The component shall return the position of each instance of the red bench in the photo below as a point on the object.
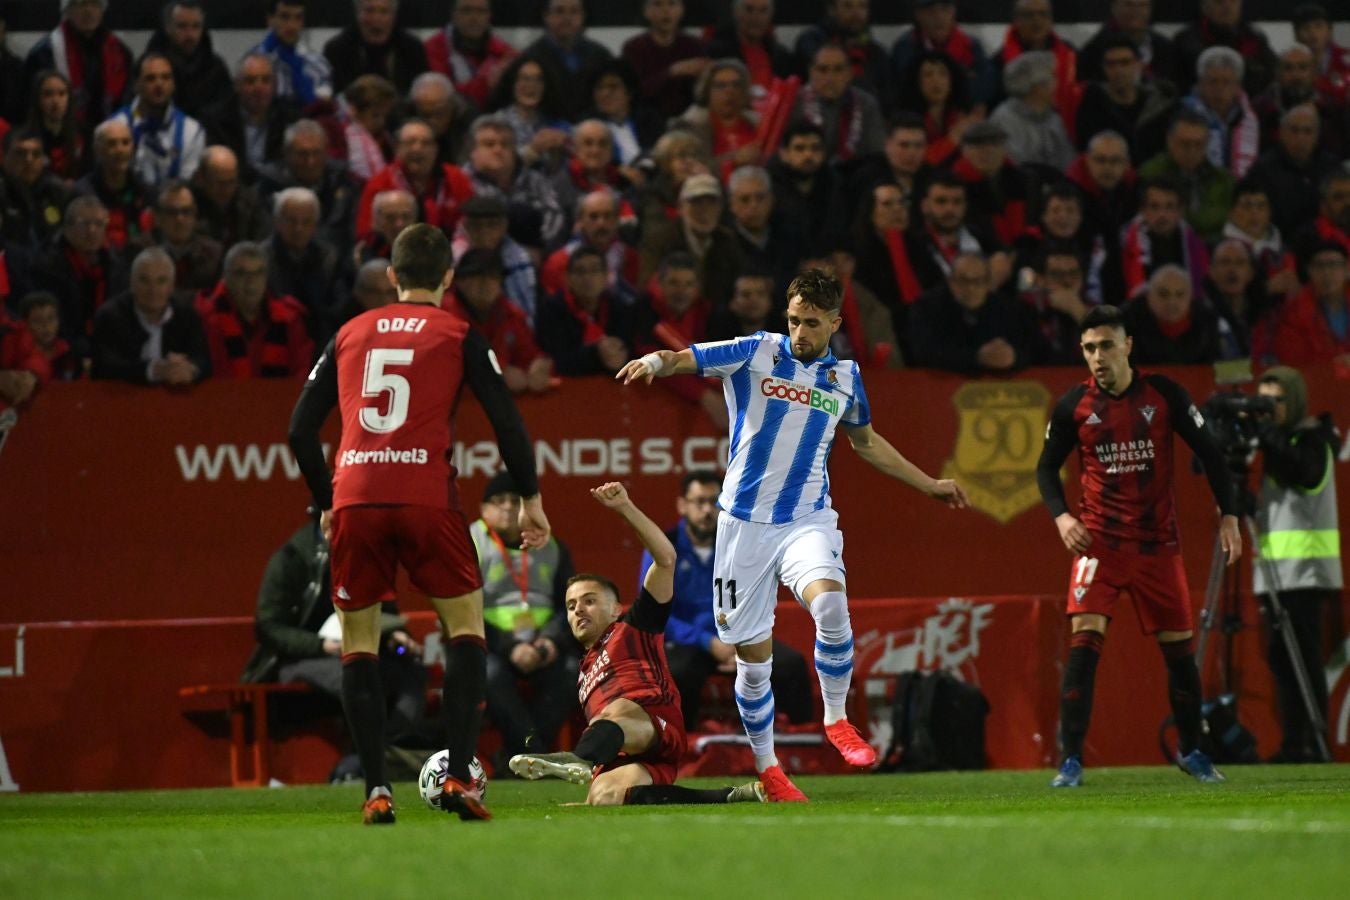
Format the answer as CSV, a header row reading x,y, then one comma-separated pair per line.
x,y
239,701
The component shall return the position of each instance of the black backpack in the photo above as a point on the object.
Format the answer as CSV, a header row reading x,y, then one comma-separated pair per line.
x,y
937,722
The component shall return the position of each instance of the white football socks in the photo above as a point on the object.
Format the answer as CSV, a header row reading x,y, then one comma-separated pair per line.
x,y
834,651
754,699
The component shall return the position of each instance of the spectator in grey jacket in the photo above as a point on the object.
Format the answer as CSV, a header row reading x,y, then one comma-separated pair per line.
x,y
1036,133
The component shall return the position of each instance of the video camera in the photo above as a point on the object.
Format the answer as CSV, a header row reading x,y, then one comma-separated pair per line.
x,y
1233,418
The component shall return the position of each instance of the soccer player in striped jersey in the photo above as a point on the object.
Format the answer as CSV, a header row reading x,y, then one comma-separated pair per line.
x,y
786,395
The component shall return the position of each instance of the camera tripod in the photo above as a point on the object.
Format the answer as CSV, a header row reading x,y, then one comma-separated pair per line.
x,y
1223,588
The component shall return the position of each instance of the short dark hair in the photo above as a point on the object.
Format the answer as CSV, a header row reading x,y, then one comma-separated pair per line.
x,y
19,135
145,58
1104,316
1187,116
700,476
906,120
678,259
799,128
421,256
1063,190
598,579
942,178
584,250
166,14
1250,185
1117,40
37,300
1163,183
818,288
272,5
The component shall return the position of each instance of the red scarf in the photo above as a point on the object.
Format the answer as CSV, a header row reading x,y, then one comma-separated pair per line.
x,y
853,328
1329,232
759,63
113,64
88,274
1174,330
237,336
904,272
4,282
1010,222
678,332
592,326
958,46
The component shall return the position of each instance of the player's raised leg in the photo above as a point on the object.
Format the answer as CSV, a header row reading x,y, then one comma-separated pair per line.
x,y
834,666
363,704
463,699
1075,697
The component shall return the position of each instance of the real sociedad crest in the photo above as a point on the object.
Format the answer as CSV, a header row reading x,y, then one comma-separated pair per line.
x,y
997,445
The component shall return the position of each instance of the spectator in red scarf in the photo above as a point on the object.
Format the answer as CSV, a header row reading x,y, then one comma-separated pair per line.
x,y
666,59
143,337
867,334
846,26
80,268
115,185
368,100
90,55
965,326
721,116
749,38
1121,101
943,233
935,30
1133,20
1002,196
1333,213
1033,29
882,254
477,298
227,209
901,160
196,257
698,230
583,327
1055,295
23,367
1104,176
849,116
31,199
598,218
51,115
40,312
1168,326
468,52
439,188
1221,24
671,315
252,333
590,167
1312,28
1160,236
937,88
1314,324
391,212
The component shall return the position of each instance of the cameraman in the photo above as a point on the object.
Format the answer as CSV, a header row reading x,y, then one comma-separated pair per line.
x,y
1296,514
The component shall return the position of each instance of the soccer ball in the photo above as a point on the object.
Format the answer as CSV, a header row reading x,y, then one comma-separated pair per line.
x,y
432,778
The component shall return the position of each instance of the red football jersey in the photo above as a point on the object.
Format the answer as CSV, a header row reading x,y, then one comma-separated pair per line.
x,y
399,371
1125,456
629,661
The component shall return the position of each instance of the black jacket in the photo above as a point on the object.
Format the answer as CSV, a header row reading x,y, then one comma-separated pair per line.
x,y
119,336
1297,457
1293,188
1198,344
200,80
560,335
224,123
399,61
591,56
943,335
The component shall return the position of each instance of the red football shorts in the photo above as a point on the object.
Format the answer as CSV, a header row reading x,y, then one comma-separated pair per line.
x,y
1156,584
662,759
370,542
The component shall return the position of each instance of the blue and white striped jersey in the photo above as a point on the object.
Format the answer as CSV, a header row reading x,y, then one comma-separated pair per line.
x,y
783,416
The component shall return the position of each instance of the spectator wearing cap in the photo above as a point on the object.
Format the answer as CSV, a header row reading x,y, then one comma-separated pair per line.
x,y
84,49
1168,326
371,289
301,72
439,188
1120,100
848,116
251,332
305,163
467,52
390,213
1036,133
805,189
1314,324
1234,130
1312,28
1033,31
965,326
1222,24
200,76
846,25
485,227
1292,169
584,327
143,337
697,230
748,36
1206,189
1132,19
525,621
667,60
1160,236
597,225
935,29
196,256
564,50
1001,194
252,120
375,45
477,298
495,168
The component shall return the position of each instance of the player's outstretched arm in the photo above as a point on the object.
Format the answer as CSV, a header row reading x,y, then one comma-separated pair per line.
x,y
878,451
658,364
660,578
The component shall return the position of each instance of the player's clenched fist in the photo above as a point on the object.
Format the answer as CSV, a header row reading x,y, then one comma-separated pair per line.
x,y
611,494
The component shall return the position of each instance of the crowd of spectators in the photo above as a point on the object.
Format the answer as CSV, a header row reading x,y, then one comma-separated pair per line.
x,y
175,216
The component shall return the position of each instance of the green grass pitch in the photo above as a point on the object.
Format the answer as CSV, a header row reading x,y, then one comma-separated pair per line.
x,y
1140,832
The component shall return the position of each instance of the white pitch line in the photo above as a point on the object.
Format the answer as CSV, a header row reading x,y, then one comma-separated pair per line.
x,y
1153,823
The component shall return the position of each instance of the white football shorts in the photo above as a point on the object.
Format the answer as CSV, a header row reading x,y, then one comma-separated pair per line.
x,y
752,559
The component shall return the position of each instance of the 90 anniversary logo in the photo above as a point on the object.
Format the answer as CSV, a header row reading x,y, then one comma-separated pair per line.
x,y
997,444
